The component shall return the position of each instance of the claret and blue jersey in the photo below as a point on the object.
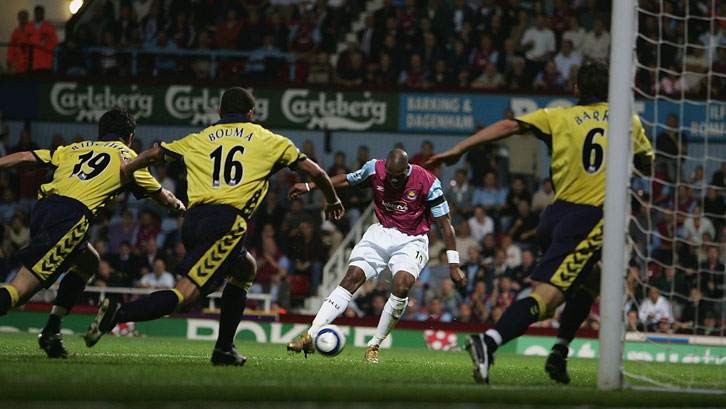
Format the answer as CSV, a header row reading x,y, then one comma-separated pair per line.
x,y
409,209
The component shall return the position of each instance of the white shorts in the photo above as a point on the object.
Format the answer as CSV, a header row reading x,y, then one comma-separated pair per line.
x,y
383,247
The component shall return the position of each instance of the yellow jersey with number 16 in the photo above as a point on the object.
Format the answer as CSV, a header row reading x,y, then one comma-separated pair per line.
x,y
229,163
577,138
90,172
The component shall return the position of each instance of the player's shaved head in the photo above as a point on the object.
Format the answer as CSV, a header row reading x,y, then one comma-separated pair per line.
x,y
236,100
397,167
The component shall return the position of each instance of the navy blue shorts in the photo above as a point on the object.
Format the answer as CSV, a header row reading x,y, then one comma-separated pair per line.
x,y
58,227
213,236
571,236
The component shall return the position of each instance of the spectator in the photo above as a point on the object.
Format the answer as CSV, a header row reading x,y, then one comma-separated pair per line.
x,y
108,59
719,178
484,55
671,282
694,313
524,156
490,195
696,227
480,224
517,77
351,73
517,193
385,74
461,15
151,24
464,314
163,64
513,252
653,309
227,32
712,275
308,149
121,232
544,196
278,29
459,193
148,227
566,59
575,34
440,76
308,254
16,237
181,31
271,262
128,264
449,297
431,50
670,145
142,8
414,76
304,36
549,78
44,41
433,276
320,72
436,245
19,48
479,300
521,274
459,57
436,311
539,41
524,227
125,25
697,182
714,208
427,151
504,294
158,278
464,240
696,65
597,42
490,79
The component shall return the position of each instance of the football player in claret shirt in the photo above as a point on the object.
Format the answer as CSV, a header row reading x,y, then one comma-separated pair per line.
x,y
407,200
228,166
86,175
570,230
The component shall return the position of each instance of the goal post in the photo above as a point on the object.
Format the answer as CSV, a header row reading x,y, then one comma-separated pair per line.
x,y
612,285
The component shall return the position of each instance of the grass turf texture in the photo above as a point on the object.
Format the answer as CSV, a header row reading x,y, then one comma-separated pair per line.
x,y
167,370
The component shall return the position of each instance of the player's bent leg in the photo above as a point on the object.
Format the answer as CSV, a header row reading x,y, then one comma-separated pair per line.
x,y
85,265
392,312
155,305
576,311
539,305
19,291
333,306
234,300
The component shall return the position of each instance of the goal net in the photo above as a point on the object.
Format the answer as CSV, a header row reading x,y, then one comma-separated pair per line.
x,y
675,311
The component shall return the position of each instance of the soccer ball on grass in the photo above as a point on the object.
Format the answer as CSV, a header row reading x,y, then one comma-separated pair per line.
x,y
329,341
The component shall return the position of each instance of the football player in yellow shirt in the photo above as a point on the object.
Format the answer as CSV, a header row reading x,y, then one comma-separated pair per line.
x,y
570,229
86,175
228,166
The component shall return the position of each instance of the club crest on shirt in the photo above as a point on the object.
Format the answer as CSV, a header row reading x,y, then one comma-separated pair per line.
x,y
410,194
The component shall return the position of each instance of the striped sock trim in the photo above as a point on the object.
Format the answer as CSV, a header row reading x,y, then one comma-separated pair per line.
x,y
541,305
14,296
180,300
495,335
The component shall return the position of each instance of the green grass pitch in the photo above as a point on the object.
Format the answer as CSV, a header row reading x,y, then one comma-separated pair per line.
x,y
147,370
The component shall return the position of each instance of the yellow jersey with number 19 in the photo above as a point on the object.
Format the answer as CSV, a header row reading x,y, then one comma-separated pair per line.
x,y
577,138
90,172
229,163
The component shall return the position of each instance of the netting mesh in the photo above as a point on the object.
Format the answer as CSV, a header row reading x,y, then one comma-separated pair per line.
x,y
676,292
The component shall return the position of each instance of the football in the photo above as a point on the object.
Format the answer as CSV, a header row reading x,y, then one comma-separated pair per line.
x,y
329,341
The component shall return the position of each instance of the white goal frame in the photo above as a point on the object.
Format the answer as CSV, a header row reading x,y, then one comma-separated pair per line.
x,y
622,32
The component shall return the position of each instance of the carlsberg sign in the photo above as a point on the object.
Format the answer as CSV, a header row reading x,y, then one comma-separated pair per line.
x,y
197,106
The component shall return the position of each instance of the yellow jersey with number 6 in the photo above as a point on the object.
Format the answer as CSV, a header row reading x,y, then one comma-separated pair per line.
x,y
229,163
577,138
90,172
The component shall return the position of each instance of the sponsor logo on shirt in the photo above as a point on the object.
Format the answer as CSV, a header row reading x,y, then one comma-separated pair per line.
x,y
397,206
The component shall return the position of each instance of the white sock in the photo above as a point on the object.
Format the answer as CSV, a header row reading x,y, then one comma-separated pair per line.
x,y
392,312
332,307
59,311
495,335
562,341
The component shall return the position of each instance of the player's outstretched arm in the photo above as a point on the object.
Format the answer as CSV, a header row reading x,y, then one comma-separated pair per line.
x,y
149,157
167,200
13,160
494,132
333,206
299,189
447,231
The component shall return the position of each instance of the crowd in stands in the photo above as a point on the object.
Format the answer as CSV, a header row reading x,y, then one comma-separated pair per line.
x,y
507,45
676,278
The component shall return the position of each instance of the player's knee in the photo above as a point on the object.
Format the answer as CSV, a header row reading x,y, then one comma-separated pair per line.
x,y
354,278
402,283
395,306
